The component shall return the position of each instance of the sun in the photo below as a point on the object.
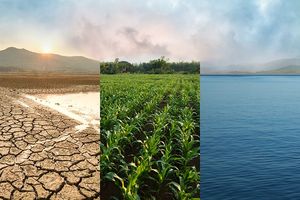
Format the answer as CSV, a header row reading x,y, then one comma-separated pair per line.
x,y
47,48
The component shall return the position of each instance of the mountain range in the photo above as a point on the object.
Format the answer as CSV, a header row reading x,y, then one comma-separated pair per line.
x,y
279,66
21,60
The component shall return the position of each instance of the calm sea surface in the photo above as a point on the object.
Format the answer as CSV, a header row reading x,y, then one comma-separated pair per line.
x,y
250,137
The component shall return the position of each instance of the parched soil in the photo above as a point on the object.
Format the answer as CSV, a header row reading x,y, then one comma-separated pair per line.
x,y
42,155
48,81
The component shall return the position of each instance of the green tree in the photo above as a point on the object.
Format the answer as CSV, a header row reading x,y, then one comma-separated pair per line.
x,y
160,65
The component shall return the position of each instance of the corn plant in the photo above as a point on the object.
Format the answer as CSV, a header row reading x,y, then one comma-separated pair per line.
x,y
149,137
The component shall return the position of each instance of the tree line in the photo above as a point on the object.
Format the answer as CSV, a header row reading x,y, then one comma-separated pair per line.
x,y
157,66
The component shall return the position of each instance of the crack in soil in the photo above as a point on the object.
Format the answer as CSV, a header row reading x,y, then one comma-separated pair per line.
x,y
42,156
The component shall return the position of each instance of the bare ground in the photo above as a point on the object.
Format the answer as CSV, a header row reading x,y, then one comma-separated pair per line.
x,y
41,154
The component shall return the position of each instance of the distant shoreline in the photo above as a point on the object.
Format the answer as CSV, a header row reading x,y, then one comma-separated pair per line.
x,y
249,74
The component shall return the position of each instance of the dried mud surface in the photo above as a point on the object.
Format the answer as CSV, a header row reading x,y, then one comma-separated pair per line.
x,y
41,154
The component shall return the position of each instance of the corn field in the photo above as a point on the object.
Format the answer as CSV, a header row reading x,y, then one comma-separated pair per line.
x,y
150,146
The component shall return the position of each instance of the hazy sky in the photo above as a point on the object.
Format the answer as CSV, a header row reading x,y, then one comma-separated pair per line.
x,y
212,31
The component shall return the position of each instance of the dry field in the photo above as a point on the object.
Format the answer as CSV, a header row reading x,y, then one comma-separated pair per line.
x,y
42,154
49,83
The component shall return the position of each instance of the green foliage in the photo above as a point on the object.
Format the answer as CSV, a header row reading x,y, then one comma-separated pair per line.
x,y
157,66
150,136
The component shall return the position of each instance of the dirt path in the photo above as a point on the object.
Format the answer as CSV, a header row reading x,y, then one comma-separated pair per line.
x,y
41,154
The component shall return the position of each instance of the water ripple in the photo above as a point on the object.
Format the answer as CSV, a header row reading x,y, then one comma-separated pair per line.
x,y
250,137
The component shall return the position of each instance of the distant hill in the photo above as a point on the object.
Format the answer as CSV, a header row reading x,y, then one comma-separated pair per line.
x,y
294,69
14,59
280,66
281,63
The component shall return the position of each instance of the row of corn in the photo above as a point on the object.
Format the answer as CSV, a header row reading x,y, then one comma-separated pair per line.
x,y
150,137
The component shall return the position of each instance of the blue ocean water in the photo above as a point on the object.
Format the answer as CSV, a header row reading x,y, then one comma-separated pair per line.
x,y
250,137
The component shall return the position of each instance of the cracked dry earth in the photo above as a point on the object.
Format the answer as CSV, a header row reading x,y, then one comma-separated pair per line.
x,y
41,154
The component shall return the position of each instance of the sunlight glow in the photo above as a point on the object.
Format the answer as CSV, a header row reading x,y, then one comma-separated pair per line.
x,y
47,48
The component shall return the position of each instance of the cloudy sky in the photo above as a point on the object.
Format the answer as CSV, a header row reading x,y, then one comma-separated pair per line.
x,y
211,31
